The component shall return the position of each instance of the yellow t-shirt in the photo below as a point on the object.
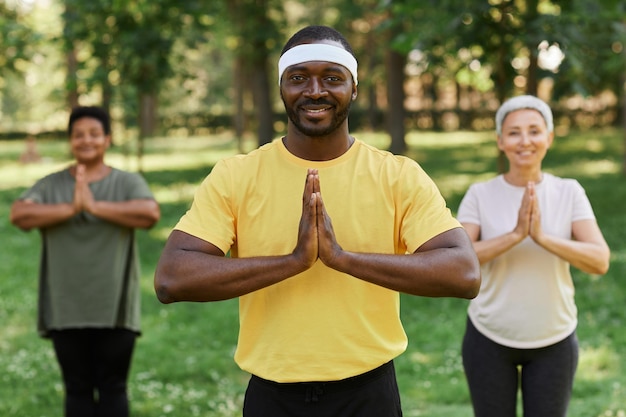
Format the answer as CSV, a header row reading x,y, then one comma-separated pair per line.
x,y
320,325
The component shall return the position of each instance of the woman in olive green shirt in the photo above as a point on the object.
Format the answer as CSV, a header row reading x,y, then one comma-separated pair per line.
x,y
89,291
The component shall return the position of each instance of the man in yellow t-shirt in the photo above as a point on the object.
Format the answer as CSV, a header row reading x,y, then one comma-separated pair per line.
x,y
324,232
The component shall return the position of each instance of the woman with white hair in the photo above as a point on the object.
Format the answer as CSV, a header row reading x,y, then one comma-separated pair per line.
x,y
527,227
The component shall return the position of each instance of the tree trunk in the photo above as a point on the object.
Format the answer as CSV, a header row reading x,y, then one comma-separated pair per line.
x,y
147,123
107,93
434,94
624,113
501,93
72,79
370,90
255,28
372,108
532,14
395,63
532,84
262,101
239,116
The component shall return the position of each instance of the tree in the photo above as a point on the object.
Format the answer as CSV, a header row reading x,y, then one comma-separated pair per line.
x,y
18,45
131,43
17,40
510,31
256,35
505,31
412,26
395,62
168,57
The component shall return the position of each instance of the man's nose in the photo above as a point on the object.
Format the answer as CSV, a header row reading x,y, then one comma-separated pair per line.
x,y
315,88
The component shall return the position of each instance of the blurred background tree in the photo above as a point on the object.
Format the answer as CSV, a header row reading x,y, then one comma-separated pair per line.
x,y
163,66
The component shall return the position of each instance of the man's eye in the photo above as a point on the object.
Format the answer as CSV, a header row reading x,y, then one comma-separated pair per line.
x,y
334,78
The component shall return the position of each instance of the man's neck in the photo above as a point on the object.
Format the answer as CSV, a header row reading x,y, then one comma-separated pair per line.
x,y
318,148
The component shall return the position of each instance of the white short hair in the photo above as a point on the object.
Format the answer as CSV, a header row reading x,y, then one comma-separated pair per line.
x,y
524,102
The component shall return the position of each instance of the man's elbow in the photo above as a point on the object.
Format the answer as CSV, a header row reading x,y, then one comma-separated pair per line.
x,y
163,288
470,278
472,282
163,295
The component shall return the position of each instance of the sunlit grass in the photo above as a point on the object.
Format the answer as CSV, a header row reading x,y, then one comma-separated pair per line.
x,y
183,365
597,363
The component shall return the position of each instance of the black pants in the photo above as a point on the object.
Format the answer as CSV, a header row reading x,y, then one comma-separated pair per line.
x,y
95,365
373,394
494,373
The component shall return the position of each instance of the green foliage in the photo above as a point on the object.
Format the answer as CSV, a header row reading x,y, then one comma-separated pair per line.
x,y
24,48
186,54
128,50
17,39
497,32
592,33
183,364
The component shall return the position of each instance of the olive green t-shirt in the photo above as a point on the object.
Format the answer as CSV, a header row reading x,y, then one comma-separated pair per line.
x,y
89,273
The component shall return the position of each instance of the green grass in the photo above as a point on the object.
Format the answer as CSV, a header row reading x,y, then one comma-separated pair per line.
x,y
183,363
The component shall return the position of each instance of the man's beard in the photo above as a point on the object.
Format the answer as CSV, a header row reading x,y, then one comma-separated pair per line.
x,y
314,131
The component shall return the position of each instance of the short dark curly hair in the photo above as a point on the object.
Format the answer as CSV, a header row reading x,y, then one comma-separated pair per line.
x,y
316,33
95,112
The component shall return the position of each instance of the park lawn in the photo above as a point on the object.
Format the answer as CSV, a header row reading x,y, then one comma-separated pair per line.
x,y
183,363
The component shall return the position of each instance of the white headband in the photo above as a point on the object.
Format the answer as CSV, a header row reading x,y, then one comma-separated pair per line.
x,y
317,52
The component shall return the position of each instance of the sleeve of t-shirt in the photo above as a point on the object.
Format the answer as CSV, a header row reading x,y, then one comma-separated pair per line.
x,y
37,193
468,209
211,216
32,194
427,214
136,187
582,209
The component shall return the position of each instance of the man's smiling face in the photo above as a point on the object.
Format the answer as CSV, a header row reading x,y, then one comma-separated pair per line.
x,y
317,95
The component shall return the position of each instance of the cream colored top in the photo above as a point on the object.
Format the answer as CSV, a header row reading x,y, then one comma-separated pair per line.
x,y
526,299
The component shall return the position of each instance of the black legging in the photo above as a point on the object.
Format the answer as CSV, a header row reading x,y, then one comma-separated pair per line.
x,y
95,365
494,372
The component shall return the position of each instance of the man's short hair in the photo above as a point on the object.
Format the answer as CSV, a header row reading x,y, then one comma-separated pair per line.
x,y
94,112
316,33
